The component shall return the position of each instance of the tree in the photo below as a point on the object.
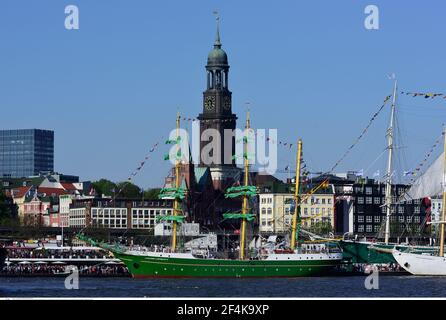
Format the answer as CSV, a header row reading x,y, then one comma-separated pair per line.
x,y
321,228
105,187
128,190
152,193
7,211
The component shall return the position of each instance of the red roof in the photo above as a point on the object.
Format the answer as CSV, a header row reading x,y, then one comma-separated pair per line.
x,y
20,191
68,186
50,191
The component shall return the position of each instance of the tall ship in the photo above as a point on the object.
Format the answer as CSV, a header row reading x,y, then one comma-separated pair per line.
x,y
381,252
299,259
431,183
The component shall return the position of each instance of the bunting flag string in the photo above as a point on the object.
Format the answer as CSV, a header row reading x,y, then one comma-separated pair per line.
x,y
152,149
358,139
288,145
418,168
428,95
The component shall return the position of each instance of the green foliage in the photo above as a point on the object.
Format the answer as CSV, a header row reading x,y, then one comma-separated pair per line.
x,y
152,193
105,187
7,216
125,189
321,228
128,190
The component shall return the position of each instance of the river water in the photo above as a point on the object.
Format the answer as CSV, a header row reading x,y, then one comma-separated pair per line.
x,y
352,286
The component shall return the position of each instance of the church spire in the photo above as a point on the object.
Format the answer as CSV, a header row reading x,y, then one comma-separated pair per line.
x,y
217,43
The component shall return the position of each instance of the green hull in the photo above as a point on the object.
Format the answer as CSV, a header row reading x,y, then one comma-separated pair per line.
x,y
360,252
154,267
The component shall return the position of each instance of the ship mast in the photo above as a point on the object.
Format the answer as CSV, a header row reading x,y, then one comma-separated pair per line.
x,y
176,203
390,146
443,209
296,196
245,196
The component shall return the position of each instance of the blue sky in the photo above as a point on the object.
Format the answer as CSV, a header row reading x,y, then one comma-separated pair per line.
x,y
309,68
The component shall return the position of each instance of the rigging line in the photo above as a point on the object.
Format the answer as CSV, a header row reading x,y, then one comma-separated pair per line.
x,y
422,107
359,138
374,161
423,162
400,156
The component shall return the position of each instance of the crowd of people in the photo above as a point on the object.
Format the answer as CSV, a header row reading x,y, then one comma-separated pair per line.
x,y
22,267
21,253
365,268
100,270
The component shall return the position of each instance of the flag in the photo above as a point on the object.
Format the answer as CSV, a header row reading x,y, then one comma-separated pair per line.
x,y
376,174
360,173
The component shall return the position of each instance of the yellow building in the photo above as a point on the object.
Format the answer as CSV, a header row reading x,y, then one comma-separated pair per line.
x,y
276,210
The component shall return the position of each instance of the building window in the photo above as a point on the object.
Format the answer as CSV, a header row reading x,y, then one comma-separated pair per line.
x,y
368,190
360,219
369,228
416,209
409,219
368,219
270,211
417,219
376,228
377,219
369,200
401,219
377,200
360,228
360,200
400,209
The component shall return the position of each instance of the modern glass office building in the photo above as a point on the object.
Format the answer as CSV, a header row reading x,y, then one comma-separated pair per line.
x,y
25,153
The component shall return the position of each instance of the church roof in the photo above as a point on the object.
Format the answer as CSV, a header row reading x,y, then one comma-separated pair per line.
x,y
217,57
202,175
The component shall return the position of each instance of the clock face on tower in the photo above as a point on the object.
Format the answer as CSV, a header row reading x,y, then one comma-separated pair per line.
x,y
209,103
227,103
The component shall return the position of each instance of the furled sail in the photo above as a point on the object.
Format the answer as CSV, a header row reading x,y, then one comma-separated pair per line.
x,y
429,184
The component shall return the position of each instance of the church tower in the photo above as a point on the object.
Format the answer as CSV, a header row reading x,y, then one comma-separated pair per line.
x,y
217,114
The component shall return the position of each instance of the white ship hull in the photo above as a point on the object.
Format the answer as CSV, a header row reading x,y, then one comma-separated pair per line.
x,y
421,264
